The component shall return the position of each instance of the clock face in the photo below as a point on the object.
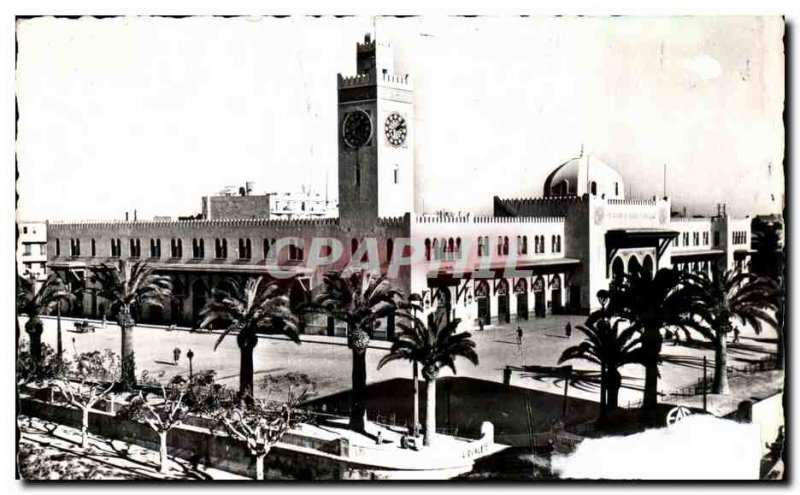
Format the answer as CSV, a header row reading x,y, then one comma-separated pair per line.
x,y
357,129
396,129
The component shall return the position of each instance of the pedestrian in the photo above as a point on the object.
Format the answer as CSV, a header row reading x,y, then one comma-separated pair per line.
x,y
735,335
568,329
675,338
480,324
104,320
379,437
176,355
404,441
519,335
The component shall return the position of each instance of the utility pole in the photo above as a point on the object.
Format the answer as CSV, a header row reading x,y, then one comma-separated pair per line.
x,y
705,383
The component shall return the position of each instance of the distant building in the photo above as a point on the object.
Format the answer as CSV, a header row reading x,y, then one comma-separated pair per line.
x,y
245,203
32,249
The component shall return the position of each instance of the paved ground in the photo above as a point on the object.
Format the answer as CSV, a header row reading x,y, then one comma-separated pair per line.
x,y
50,451
328,364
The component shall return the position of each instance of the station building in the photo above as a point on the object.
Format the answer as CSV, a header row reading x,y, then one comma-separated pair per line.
x,y
533,257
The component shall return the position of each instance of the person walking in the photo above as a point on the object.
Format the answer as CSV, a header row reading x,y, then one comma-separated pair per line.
x,y
568,329
519,335
735,335
176,355
480,324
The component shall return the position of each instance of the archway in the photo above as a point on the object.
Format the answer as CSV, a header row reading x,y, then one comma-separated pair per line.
x,y
648,266
617,271
521,290
538,297
484,302
633,265
199,297
443,305
503,306
555,294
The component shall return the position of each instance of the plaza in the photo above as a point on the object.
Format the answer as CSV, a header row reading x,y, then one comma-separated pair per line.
x,y
326,360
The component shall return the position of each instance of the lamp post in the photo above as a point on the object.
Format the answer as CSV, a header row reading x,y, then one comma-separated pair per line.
x,y
190,355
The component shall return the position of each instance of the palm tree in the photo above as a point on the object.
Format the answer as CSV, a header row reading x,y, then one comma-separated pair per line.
x,y
768,261
652,305
433,346
359,300
609,348
128,288
248,310
34,303
737,295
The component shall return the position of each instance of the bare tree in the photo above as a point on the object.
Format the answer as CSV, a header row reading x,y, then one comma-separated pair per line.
x,y
86,380
260,423
161,414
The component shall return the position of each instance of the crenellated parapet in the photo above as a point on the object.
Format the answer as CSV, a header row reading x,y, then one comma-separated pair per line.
x,y
469,219
633,202
393,222
353,81
190,224
551,206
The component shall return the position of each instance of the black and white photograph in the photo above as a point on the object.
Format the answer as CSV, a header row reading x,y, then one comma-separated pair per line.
x,y
400,248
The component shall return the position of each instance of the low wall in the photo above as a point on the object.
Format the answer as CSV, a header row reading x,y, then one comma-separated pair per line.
x,y
297,456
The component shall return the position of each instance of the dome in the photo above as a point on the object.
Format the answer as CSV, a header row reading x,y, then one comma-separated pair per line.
x,y
585,174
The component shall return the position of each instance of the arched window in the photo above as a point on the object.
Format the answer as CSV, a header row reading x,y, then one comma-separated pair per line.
x,y
428,249
435,248
458,247
505,246
541,242
442,248
524,244
451,248
594,188
389,249
500,245
616,189
396,174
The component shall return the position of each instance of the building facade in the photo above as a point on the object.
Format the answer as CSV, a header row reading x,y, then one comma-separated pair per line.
x,y
532,257
32,249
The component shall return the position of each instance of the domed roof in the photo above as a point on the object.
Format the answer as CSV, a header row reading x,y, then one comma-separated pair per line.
x,y
576,176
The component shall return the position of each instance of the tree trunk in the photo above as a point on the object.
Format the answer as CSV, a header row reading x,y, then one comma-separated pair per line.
x,y
721,364
35,336
612,389
603,390
430,412
358,407
415,428
779,357
651,345
246,371
85,428
59,345
162,451
260,466
128,361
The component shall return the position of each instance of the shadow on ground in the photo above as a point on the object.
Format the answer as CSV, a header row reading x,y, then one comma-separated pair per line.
x,y
463,404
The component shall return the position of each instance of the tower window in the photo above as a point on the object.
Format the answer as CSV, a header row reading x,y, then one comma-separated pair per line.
x,y
358,175
616,189
594,188
396,174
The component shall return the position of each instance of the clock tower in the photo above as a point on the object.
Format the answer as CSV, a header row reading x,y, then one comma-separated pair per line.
x,y
376,138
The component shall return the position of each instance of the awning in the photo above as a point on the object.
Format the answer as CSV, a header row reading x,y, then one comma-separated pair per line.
x,y
449,273
697,255
617,239
198,266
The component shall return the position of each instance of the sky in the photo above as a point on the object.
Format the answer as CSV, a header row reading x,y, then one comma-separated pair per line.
x,y
151,114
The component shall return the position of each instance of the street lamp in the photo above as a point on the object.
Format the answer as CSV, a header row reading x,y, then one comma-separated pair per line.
x,y
190,355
